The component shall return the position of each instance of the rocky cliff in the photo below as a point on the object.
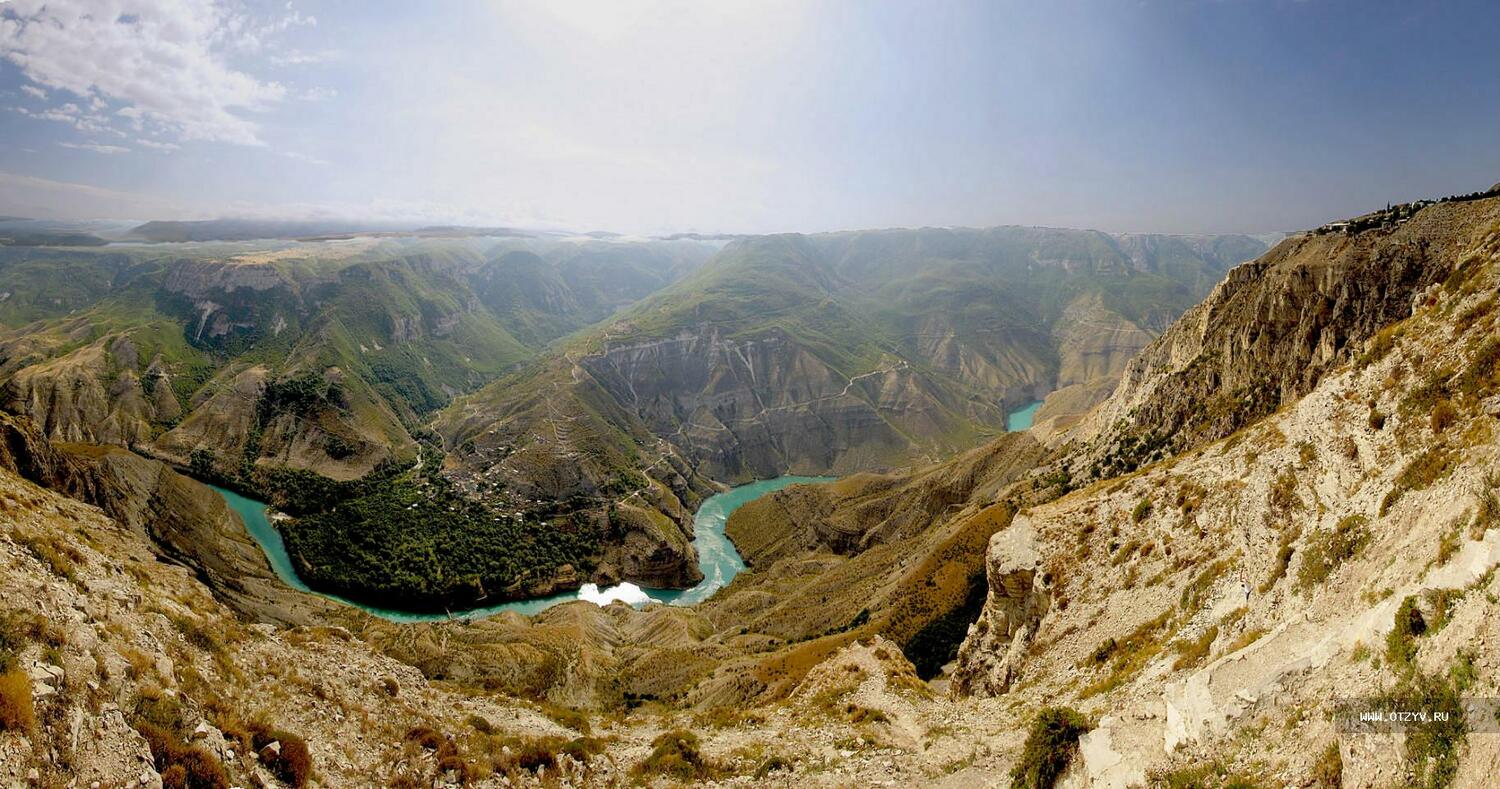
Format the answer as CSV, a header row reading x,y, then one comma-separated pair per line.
x,y
1340,542
183,520
1272,329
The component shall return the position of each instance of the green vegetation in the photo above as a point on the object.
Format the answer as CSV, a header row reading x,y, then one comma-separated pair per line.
x,y
17,712
160,719
937,601
288,759
1431,748
1409,624
1051,743
1326,550
1286,548
676,754
1432,465
1211,775
415,543
1128,656
1192,652
1328,770
1192,596
12,641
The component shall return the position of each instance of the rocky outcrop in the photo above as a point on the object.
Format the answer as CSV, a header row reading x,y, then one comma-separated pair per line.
x,y
1197,600
995,649
185,521
93,394
1271,330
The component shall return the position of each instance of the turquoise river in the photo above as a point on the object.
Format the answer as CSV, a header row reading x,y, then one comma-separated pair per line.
x,y
717,557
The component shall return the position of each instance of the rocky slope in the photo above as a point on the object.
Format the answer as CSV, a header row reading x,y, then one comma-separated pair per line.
x,y
185,521
1342,547
1272,329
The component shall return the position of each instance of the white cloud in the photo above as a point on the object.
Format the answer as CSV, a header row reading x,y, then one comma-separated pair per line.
x,y
297,57
33,90
317,94
90,121
156,144
166,61
95,147
303,157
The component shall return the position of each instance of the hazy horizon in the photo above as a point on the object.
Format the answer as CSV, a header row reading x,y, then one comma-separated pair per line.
x,y
665,117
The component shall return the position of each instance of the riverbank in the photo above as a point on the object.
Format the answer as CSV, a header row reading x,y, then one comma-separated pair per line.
x,y
717,558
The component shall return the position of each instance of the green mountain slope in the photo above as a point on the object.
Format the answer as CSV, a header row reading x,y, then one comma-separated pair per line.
x,y
174,349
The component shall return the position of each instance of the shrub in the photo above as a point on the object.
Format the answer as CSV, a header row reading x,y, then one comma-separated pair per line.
x,y
1191,653
1443,416
1379,346
158,708
1194,593
1284,553
1213,775
1425,469
1431,748
772,764
567,717
1130,655
1142,511
293,765
1400,643
1488,513
1480,375
1283,495
1051,743
12,641
425,737
1306,452
1326,550
182,766
1448,544
16,710
1245,639
675,754
1328,770
527,754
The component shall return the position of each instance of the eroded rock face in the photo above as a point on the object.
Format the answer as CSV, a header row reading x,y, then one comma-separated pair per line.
x,y
753,407
185,522
1271,330
992,654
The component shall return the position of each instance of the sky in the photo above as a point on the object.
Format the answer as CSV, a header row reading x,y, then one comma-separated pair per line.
x,y
747,116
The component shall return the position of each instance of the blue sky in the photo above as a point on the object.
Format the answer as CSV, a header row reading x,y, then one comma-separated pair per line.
x,y
748,116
